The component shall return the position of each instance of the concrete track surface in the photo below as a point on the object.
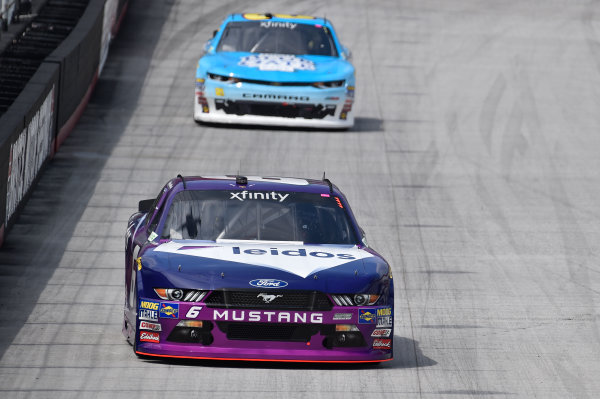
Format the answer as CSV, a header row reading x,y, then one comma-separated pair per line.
x,y
474,168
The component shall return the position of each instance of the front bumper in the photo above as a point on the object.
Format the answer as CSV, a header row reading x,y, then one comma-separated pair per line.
x,y
256,104
269,335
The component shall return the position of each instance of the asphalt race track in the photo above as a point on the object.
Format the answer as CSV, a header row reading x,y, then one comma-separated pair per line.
x,y
474,168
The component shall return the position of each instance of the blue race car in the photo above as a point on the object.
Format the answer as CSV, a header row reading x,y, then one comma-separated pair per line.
x,y
255,268
273,69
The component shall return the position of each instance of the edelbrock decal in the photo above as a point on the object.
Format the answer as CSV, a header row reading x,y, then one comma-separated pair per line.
x,y
297,259
382,343
148,336
268,283
277,62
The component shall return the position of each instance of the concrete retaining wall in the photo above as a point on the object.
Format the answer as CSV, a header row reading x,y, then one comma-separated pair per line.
x,y
48,108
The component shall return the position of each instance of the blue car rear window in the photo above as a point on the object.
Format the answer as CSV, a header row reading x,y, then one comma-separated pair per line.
x,y
277,38
255,215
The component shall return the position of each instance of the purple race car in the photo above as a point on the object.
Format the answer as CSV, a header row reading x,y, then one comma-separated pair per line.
x,y
255,268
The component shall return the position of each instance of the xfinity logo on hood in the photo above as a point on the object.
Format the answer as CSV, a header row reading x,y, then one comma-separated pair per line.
x,y
268,283
244,195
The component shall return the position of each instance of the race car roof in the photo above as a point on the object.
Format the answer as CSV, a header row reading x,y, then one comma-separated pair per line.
x,y
276,183
303,19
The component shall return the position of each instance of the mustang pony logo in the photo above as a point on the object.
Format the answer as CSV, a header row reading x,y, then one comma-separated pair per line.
x,y
268,298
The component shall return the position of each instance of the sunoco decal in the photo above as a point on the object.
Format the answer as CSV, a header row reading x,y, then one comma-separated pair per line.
x,y
277,62
169,310
366,316
297,259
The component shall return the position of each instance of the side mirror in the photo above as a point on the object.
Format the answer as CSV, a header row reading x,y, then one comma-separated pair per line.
x,y
207,46
364,237
215,33
145,206
346,53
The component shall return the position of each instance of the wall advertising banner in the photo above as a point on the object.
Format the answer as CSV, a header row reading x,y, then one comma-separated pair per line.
x,y
28,153
110,18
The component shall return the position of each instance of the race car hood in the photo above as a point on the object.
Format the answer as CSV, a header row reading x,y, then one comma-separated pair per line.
x,y
206,265
276,67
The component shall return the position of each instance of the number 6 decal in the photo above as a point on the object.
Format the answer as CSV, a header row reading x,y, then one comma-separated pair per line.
x,y
193,312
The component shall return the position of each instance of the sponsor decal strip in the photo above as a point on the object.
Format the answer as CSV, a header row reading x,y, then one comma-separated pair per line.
x,y
146,325
382,343
169,310
383,333
149,336
366,316
385,318
148,310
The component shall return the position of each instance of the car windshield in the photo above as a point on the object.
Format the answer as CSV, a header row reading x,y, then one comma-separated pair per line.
x,y
256,215
277,38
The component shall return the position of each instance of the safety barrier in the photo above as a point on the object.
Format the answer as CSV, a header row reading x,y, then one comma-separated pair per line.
x,y
50,104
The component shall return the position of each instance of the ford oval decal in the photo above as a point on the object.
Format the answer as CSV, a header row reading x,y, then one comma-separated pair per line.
x,y
268,283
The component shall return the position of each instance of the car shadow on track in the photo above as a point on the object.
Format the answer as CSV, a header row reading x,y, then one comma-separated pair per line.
x,y
361,125
407,354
